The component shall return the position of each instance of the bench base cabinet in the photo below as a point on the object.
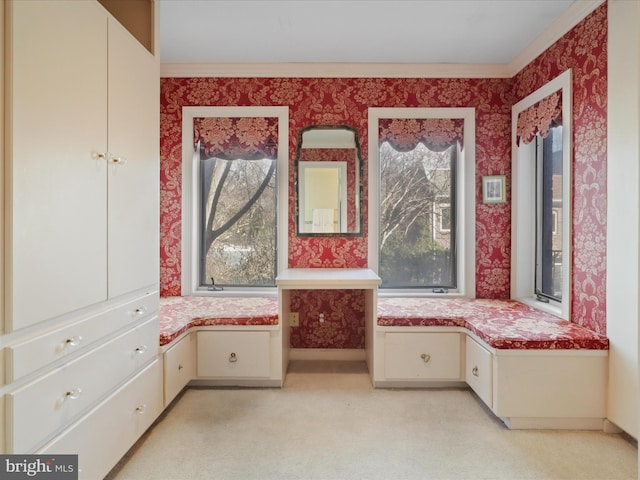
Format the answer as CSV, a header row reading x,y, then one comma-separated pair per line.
x,y
479,370
179,367
431,356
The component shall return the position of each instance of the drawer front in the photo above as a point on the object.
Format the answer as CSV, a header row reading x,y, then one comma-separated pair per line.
x,y
179,367
33,354
233,354
422,356
120,420
49,403
479,371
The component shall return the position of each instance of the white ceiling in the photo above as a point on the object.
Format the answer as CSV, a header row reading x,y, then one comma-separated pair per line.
x,y
352,31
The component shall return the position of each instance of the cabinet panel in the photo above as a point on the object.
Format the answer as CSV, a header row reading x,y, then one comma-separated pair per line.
x,y
422,356
233,354
57,119
134,204
41,407
179,367
479,371
120,421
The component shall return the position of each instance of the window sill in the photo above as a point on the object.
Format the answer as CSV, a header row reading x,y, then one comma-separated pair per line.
x,y
554,309
235,292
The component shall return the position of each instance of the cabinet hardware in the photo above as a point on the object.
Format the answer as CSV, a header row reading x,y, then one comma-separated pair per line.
x,y
140,409
233,358
425,357
141,349
74,394
73,341
180,367
139,311
474,371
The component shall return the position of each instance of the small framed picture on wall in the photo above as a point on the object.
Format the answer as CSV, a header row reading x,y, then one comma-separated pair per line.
x,y
494,189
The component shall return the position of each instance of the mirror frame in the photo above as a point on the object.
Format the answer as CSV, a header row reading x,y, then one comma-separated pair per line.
x,y
359,184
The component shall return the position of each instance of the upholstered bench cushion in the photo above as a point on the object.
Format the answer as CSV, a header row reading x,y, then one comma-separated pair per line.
x,y
178,314
502,324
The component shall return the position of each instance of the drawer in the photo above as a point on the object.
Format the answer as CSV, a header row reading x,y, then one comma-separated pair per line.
x,y
40,408
35,353
422,356
121,419
479,371
233,354
179,367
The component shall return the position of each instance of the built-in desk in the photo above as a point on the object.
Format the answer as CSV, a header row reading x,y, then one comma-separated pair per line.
x,y
328,279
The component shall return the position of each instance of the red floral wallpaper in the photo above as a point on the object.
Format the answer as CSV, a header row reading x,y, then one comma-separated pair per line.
x,y
346,100
584,50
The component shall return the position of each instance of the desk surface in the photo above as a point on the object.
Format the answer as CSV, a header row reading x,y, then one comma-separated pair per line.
x,y
328,278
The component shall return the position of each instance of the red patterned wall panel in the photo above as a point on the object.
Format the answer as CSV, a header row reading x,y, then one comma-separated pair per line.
x,y
584,50
346,100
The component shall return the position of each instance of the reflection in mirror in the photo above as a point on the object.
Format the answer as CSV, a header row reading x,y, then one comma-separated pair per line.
x,y
328,182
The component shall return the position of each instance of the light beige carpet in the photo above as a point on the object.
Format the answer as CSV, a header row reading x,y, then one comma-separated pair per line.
x,y
329,423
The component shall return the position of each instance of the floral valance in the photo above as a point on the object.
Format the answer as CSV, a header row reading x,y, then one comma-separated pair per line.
x,y
233,138
437,134
539,118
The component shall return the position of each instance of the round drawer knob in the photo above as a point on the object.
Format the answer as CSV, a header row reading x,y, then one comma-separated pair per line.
x,y
73,341
141,349
233,357
425,357
474,371
138,312
73,394
140,409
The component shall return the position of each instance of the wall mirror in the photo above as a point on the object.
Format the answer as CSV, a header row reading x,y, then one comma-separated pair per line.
x,y
328,183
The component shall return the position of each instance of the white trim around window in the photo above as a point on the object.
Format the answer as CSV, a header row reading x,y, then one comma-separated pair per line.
x,y
465,190
190,253
523,203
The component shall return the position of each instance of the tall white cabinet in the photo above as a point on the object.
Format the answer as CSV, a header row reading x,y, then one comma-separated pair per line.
x,y
79,344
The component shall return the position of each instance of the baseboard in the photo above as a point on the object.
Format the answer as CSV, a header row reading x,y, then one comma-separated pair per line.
x,y
534,423
334,354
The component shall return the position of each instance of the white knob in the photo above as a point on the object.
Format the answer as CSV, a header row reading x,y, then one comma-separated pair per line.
x,y
425,357
73,341
118,160
141,349
474,371
138,312
140,409
74,393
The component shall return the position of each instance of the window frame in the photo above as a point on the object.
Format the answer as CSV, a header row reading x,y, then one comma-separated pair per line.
x,y
465,196
190,243
523,190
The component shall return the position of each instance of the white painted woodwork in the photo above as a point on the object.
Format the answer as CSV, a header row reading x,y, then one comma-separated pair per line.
x,y
479,370
38,351
57,115
623,213
327,278
134,126
569,384
233,354
40,408
117,423
411,356
179,366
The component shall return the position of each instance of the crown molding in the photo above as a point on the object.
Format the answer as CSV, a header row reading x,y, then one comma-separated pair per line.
x,y
569,19
333,70
562,25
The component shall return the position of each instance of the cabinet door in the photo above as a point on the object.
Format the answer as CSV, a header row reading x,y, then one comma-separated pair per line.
x,y
179,367
433,356
57,84
233,354
134,131
479,371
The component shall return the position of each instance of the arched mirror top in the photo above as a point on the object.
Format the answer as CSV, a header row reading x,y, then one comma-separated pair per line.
x,y
329,186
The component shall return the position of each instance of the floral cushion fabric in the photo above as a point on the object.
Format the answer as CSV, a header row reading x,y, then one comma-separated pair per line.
x,y
502,324
178,314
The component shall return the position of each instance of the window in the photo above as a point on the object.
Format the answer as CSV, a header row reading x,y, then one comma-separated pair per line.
x,y
234,163
421,199
416,186
541,185
548,277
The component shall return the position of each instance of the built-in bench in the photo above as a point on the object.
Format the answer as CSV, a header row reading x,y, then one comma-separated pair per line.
x,y
179,314
501,324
